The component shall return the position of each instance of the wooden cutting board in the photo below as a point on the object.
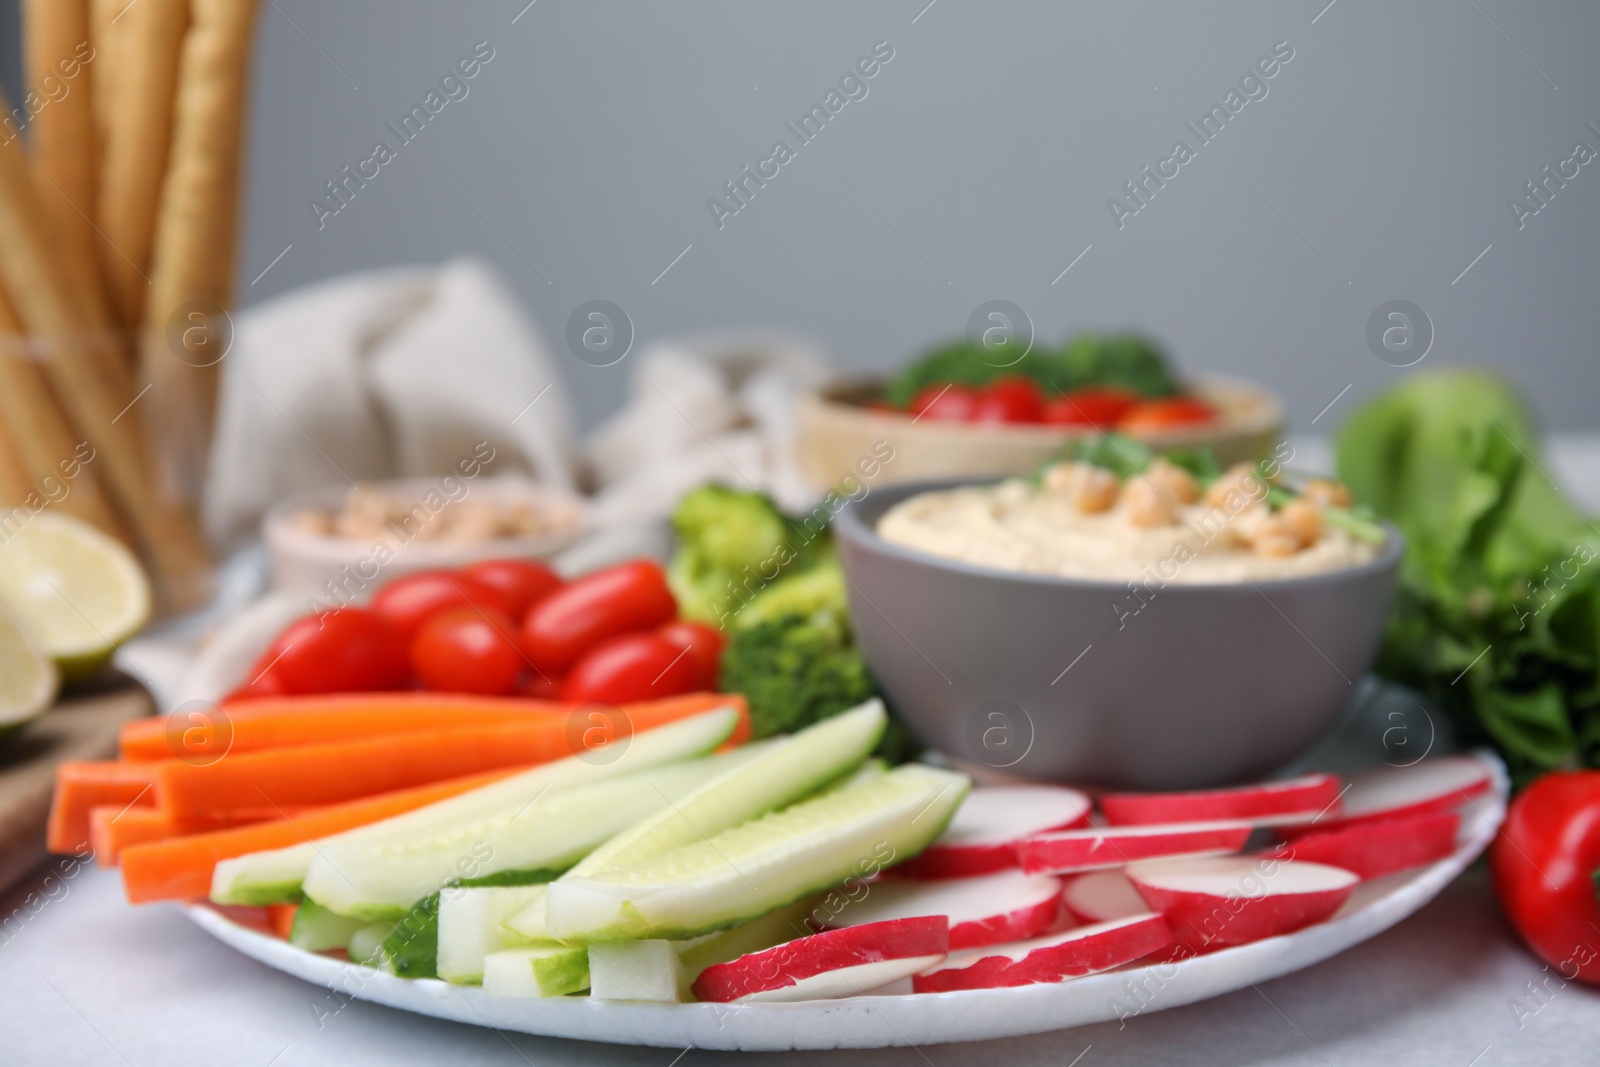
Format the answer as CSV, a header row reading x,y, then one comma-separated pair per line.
x,y
84,726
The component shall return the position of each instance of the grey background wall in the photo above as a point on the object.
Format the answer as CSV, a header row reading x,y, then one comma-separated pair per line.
x,y
979,165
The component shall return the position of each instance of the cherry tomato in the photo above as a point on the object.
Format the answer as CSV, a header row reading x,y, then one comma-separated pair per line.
x,y
522,583
1152,416
350,650
262,683
467,650
410,601
631,667
952,402
618,600
540,686
1102,406
705,644
1009,399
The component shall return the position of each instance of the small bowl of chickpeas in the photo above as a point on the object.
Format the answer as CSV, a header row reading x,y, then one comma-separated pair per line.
x,y
1169,626
358,537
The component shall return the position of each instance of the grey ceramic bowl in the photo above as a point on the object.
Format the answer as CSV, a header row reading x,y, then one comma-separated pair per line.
x,y
1037,677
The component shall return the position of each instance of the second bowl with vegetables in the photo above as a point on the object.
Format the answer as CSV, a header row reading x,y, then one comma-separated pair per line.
x,y
969,409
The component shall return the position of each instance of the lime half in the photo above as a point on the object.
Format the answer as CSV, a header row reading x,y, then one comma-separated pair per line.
x,y
28,680
77,591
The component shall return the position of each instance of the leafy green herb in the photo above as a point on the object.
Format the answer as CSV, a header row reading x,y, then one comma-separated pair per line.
x,y
1122,360
1498,613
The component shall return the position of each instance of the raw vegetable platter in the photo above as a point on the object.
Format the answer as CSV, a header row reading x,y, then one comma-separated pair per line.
x,y
888,1017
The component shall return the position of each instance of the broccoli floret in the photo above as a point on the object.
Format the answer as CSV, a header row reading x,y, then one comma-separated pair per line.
x,y
818,589
964,362
1124,360
730,545
795,670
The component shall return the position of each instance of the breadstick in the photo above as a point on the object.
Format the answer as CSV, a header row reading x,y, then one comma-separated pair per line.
x,y
87,366
60,69
105,29
149,40
199,207
14,487
40,441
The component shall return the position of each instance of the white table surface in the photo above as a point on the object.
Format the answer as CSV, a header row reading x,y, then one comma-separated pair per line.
x,y
85,979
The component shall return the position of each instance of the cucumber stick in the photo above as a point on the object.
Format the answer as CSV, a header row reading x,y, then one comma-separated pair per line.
x,y
277,875
379,876
758,866
636,970
530,923
470,927
366,944
791,768
316,929
536,971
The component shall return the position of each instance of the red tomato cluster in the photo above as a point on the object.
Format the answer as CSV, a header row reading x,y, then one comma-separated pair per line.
x,y
1018,399
497,627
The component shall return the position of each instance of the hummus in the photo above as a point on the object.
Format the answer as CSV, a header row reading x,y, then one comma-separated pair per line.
x,y
1016,526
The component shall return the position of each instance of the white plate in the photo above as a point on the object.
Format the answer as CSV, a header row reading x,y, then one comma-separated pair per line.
x,y
923,1019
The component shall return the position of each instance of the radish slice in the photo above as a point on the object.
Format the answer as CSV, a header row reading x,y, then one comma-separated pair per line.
x,y
1389,792
1102,847
836,963
1373,849
988,910
1295,800
1101,896
1215,901
1069,954
980,839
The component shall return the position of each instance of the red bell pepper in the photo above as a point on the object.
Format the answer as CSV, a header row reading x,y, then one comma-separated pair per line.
x,y
1546,864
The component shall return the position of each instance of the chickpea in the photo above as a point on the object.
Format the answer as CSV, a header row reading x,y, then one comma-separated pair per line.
x,y
1149,504
1175,478
1303,519
1241,478
1088,488
1251,523
311,521
1327,493
1277,540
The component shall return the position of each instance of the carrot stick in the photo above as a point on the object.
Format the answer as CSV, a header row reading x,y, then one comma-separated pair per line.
x,y
113,827
85,784
329,773
180,868
280,918
279,722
